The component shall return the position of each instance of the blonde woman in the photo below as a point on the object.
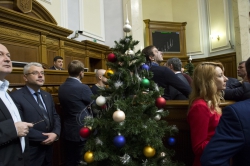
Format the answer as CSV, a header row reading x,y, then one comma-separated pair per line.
x,y
204,112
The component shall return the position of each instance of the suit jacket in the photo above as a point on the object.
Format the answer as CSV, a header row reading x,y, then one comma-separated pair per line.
x,y
164,77
10,146
31,113
74,97
188,78
231,138
53,68
174,93
232,83
239,93
181,76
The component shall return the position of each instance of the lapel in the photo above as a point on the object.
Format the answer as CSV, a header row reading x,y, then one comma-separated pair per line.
x,y
4,110
29,97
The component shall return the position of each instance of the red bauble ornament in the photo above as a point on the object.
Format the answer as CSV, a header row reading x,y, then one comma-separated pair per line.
x,y
160,102
111,57
104,106
84,132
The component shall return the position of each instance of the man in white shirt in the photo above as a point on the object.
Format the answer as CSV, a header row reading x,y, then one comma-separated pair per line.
x,y
13,147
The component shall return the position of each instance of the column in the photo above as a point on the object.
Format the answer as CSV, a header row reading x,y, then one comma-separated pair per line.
x,y
241,21
133,9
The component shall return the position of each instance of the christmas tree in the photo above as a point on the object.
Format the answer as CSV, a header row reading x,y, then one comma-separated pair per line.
x,y
127,129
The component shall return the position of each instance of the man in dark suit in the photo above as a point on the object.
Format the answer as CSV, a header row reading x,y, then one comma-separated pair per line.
x,y
36,105
163,76
58,63
74,97
239,93
175,65
233,83
13,141
232,136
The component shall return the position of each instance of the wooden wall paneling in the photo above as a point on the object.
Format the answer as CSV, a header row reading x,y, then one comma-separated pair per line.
x,y
228,60
61,50
66,61
73,50
53,49
23,53
95,55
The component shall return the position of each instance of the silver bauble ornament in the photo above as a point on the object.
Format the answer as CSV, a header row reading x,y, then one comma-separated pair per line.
x,y
127,28
157,117
100,101
130,52
118,116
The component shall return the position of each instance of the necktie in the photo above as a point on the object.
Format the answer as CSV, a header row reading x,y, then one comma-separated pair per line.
x,y
43,110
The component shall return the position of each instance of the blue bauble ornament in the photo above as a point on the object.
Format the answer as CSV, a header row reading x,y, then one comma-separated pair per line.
x,y
171,141
145,67
119,141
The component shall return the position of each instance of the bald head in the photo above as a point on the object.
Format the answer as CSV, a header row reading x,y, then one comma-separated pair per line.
x,y
5,62
99,72
100,77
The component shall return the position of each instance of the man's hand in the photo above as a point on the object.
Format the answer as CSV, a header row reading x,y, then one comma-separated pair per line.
x,y
22,128
51,138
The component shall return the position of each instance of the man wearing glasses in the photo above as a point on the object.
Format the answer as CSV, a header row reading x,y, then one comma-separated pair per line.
x,y
37,106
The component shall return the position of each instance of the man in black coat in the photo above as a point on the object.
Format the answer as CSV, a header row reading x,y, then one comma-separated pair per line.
x,y
13,140
37,106
74,97
163,76
238,93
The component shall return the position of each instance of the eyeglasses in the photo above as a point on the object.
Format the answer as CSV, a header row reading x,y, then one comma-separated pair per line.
x,y
36,73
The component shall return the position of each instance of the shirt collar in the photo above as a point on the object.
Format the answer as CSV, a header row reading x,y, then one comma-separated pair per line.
x,y
57,68
76,79
31,90
4,85
177,72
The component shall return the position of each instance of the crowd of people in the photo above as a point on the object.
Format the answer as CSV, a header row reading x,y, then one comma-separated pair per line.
x,y
29,123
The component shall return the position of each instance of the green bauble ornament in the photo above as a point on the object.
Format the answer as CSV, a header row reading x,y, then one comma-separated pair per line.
x,y
145,83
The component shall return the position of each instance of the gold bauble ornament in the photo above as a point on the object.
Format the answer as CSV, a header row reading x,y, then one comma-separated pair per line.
x,y
108,73
148,151
89,157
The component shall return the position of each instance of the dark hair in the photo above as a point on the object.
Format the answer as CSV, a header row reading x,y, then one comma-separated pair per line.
x,y
57,57
75,67
176,63
247,66
242,62
148,51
